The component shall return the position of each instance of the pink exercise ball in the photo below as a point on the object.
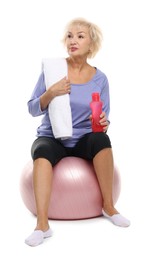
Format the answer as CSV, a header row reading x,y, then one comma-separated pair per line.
x,y
75,191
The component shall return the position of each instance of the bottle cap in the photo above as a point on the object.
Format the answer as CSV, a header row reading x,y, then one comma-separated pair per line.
x,y
95,96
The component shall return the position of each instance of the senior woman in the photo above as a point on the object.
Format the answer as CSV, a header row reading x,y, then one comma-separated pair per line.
x,y
82,40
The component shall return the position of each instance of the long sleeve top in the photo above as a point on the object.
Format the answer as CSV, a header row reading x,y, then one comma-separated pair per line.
x,y
80,98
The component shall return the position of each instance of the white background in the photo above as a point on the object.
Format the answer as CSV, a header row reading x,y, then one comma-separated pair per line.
x,y
31,30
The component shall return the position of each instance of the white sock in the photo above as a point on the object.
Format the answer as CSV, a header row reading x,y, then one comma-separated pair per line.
x,y
117,219
37,237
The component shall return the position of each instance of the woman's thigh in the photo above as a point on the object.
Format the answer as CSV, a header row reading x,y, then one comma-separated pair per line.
x,y
90,144
48,148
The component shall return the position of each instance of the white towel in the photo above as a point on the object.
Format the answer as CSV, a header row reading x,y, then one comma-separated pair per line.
x,y
59,108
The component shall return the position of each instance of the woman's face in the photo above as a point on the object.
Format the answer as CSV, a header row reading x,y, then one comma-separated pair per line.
x,y
78,41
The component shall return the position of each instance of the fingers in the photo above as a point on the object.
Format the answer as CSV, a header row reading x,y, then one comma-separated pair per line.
x,y
61,87
103,120
67,89
90,117
65,84
65,81
105,128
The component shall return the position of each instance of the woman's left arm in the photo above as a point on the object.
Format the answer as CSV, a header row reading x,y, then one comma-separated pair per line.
x,y
105,97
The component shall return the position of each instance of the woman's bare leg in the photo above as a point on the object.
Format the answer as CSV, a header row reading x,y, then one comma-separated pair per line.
x,y
104,168
42,182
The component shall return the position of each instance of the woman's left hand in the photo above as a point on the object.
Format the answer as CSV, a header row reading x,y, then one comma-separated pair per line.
x,y
104,122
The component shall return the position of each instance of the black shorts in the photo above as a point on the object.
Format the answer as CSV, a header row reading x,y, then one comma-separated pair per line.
x,y
53,150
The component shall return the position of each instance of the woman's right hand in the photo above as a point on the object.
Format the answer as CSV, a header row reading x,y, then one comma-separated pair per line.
x,y
59,88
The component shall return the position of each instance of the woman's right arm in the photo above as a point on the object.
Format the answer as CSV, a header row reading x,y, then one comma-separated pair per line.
x,y
34,106
41,97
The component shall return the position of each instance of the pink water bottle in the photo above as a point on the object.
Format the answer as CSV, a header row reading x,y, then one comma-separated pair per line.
x,y
96,107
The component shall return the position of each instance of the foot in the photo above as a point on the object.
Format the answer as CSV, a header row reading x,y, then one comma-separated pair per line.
x,y
117,219
37,237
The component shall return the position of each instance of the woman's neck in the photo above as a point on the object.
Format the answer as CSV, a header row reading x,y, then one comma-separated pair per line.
x,y
77,64
79,71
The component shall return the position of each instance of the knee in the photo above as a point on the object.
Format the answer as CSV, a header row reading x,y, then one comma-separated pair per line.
x,y
41,151
99,141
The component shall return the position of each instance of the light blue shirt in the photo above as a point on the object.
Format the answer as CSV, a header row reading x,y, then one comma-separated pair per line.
x,y
80,98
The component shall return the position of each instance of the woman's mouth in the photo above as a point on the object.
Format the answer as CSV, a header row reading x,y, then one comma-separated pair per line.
x,y
73,49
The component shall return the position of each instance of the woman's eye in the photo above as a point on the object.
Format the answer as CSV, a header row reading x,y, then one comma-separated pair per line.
x,y
69,36
80,36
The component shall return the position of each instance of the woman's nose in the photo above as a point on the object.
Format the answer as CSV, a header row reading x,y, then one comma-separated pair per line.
x,y
73,40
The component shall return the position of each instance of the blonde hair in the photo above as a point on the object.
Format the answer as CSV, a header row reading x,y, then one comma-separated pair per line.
x,y
94,33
